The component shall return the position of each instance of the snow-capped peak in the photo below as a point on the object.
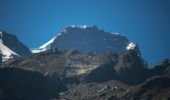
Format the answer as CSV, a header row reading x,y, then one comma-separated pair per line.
x,y
88,38
131,46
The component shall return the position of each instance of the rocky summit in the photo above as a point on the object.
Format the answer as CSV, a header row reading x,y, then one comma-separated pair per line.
x,y
84,63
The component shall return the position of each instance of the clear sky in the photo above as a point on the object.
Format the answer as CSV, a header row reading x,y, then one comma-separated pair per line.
x,y
146,22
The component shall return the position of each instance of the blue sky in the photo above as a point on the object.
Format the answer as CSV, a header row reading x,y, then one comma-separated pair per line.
x,y
146,22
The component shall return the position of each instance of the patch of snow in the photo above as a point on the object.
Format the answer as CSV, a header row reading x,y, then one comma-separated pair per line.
x,y
131,46
73,26
38,50
83,26
46,45
1,41
80,26
115,33
59,34
6,52
1,33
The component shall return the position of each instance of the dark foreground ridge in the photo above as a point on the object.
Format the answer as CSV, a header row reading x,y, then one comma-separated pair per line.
x,y
76,75
19,84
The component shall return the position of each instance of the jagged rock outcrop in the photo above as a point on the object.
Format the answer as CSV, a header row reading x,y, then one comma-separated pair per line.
x,y
161,69
127,67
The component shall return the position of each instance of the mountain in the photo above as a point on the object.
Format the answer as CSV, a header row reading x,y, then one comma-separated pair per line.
x,y
88,39
85,63
11,47
112,54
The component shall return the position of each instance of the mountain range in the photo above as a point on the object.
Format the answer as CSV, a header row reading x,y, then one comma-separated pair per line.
x,y
80,63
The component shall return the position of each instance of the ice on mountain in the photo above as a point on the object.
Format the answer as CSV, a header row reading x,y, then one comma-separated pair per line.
x,y
83,26
78,26
131,46
47,44
38,50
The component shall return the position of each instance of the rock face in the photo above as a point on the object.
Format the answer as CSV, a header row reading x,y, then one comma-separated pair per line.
x,y
88,67
10,46
89,39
